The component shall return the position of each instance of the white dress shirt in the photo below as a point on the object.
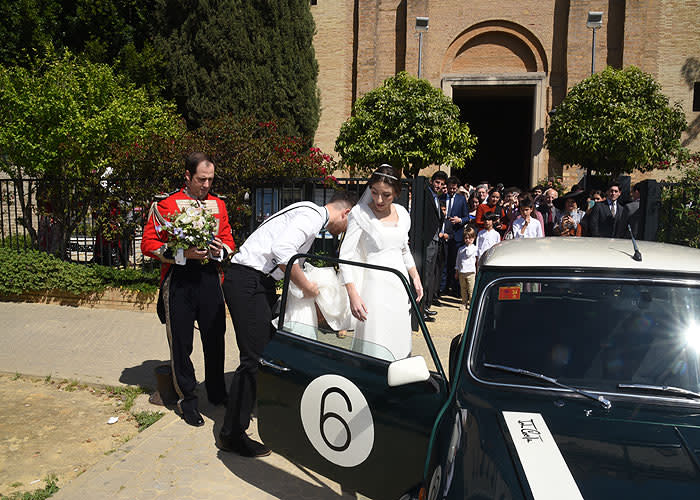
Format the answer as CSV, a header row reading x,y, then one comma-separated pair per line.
x,y
485,240
533,229
290,231
466,259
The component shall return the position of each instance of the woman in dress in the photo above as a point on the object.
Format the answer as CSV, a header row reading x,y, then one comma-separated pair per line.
x,y
378,234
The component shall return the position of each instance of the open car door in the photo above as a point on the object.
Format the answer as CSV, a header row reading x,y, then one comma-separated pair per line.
x,y
325,399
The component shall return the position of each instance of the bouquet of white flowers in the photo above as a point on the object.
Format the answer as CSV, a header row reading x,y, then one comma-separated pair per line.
x,y
192,226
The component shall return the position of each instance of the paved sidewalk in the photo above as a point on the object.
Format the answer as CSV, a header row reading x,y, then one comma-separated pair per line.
x,y
170,458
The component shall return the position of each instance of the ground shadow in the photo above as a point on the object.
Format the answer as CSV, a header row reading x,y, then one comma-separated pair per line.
x,y
142,375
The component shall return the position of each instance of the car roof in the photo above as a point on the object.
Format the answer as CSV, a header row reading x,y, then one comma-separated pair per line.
x,y
594,253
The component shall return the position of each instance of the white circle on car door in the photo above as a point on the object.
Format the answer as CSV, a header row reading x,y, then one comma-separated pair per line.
x,y
337,420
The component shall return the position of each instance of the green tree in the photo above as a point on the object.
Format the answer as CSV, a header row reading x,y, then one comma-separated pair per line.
x,y
614,122
680,210
58,122
114,32
408,123
233,56
246,153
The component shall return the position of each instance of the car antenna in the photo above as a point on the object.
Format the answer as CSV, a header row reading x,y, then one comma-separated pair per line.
x,y
637,254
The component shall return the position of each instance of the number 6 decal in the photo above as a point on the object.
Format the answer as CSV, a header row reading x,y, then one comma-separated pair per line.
x,y
337,420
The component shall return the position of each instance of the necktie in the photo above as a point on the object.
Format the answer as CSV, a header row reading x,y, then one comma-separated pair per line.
x,y
613,208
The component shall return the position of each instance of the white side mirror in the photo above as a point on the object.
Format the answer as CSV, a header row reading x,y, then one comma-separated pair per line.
x,y
407,371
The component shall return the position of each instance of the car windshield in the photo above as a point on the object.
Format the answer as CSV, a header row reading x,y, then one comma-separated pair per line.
x,y
591,333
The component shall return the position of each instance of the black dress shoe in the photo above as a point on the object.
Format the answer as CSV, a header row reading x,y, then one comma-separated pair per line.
x,y
242,445
193,418
430,312
428,319
436,302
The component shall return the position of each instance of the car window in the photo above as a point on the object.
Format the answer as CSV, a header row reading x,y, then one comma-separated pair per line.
x,y
590,333
386,333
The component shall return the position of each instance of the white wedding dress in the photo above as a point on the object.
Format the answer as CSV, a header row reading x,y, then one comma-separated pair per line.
x,y
368,240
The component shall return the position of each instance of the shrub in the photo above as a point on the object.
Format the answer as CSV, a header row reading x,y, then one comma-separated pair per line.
x,y
680,213
36,271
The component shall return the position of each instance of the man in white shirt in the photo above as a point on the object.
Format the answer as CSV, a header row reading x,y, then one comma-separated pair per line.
x,y
250,291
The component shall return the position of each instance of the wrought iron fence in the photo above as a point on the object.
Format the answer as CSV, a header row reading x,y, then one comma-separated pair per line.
x,y
112,236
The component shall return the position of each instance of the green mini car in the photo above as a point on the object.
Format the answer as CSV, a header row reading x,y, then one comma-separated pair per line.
x,y
577,375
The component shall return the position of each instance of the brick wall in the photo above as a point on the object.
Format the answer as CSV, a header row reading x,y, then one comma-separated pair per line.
x,y
659,36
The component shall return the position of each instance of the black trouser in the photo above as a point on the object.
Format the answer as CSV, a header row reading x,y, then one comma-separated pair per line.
x,y
250,296
434,258
193,292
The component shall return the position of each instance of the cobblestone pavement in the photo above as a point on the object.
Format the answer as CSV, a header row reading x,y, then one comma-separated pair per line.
x,y
170,458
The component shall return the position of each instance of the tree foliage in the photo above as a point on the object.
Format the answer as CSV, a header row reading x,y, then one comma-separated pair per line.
x,y
59,121
680,213
245,152
239,57
114,32
408,123
615,122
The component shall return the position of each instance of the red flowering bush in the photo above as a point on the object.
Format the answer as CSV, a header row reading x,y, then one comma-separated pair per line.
x,y
247,153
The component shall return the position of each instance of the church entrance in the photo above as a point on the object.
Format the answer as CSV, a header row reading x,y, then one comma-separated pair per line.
x,y
501,116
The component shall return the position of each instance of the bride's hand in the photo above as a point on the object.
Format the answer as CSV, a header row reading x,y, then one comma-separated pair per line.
x,y
419,290
357,307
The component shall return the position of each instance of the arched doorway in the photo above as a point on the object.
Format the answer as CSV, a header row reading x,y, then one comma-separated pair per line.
x,y
495,72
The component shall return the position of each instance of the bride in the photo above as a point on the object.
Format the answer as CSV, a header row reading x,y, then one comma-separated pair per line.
x,y
377,233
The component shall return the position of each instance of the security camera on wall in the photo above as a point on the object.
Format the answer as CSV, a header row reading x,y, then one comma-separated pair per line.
x,y
422,24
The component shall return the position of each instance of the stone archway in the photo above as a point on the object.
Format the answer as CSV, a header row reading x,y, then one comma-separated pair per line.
x,y
497,70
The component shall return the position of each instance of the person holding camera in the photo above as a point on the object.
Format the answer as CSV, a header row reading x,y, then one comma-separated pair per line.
x,y
568,222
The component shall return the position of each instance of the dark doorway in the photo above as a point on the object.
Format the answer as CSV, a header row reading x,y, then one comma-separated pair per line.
x,y
501,118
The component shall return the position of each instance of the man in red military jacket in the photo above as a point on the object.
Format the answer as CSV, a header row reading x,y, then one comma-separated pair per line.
x,y
192,291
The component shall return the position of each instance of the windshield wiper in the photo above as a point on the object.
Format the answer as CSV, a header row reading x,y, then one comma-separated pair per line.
x,y
520,371
662,388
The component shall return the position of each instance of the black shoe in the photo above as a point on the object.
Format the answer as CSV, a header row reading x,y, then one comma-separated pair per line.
x,y
193,418
428,319
243,445
430,312
436,302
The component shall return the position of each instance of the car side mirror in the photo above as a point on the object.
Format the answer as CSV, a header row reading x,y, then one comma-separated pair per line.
x,y
407,371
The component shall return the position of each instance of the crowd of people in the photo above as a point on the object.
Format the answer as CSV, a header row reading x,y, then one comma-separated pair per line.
x,y
472,219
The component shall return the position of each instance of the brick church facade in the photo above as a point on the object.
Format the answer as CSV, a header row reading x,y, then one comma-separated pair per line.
x,y
506,64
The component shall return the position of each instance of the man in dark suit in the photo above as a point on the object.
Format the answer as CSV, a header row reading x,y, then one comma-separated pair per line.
x,y
605,217
631,215
457,215
550,213
434,251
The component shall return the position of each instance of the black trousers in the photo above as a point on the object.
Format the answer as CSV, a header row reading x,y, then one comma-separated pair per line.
x,y
250,296
193,292
434,259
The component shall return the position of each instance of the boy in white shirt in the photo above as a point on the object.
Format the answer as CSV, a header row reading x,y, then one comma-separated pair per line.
x,y
526,226
465,267
488,236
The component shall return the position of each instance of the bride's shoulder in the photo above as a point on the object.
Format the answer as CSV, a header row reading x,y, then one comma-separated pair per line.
x,y
401,210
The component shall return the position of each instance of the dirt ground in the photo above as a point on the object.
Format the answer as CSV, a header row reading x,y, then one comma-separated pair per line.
x,y
53,427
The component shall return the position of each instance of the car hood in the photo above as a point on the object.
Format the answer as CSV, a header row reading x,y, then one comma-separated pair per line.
x,y
607,456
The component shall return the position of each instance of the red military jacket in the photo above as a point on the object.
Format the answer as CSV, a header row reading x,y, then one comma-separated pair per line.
x,y
153,241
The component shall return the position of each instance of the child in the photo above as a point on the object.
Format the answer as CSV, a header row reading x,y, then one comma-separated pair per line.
x,y
465,268
488,236
526,226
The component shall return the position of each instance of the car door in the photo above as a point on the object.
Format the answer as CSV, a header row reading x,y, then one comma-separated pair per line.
x,y
329,407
